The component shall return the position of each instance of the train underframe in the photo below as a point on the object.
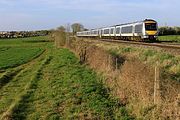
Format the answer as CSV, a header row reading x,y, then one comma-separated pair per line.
x,y
126,38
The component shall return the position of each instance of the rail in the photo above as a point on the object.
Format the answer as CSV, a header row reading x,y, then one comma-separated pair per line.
x,y
161,45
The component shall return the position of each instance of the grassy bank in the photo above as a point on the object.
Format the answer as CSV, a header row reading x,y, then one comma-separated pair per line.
x,y
168,62
131,71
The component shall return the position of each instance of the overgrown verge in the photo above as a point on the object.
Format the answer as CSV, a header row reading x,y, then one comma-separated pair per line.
x,y
141,86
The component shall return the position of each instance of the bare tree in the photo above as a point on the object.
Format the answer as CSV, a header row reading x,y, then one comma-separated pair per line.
x,y
76,27
61,29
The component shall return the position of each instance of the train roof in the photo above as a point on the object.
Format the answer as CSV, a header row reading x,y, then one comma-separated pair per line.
x,y
126,23
135,22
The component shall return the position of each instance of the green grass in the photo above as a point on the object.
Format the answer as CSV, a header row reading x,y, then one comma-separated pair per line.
x,y
29,41
14,89
172,38
67,90
14,56
14,52
53,86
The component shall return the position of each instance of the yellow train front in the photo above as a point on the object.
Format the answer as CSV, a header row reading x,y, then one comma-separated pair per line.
x,y
150,31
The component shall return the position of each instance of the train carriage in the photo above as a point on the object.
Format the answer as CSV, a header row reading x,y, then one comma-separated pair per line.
x,y
118,31
112,31
139,31
95,33
105,32
127,32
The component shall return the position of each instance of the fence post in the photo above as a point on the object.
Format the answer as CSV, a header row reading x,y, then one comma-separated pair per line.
x,y
109,62
157,95
116,63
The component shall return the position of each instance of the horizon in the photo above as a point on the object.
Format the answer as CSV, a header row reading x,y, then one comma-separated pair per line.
x,y
27,15
65,26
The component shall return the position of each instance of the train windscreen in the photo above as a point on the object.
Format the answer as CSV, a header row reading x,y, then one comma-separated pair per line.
x,y
151,26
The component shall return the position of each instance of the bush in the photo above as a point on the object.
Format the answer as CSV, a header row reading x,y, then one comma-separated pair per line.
x,y
59,36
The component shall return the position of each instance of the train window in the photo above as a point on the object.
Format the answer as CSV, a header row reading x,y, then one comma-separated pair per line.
x,y
106,31
127,29
112,30
138,28
117,30
151,26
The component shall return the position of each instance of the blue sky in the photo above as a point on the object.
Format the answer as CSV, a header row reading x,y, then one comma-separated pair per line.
x,y
47,14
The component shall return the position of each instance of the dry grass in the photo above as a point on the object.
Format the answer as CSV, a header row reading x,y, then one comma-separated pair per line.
x,y
139,78
131,80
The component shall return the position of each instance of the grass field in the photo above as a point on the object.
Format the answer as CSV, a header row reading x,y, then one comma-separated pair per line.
x,y
171,38
14,56
52,86
14,52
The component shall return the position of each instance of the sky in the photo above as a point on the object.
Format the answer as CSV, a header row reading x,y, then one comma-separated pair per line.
x,y
48,14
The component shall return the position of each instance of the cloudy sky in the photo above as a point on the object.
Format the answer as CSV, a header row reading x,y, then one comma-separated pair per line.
x,y
47,14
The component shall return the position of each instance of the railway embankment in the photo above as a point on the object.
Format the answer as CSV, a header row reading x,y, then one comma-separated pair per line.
x,y
146,80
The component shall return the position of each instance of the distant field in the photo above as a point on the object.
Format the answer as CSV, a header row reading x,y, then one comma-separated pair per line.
x,y
14,52
24,41
14,56
173,38
38,39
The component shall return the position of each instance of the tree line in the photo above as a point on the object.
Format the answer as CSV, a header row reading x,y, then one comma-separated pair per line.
x,y
22,34
169,30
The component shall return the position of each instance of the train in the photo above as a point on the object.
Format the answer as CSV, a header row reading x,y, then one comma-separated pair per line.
x,y
145,30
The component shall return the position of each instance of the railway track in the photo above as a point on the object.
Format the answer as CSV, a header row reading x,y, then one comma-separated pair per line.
x,y
160,45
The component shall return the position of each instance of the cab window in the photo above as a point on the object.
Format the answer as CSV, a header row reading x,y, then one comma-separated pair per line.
x,y
151,26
